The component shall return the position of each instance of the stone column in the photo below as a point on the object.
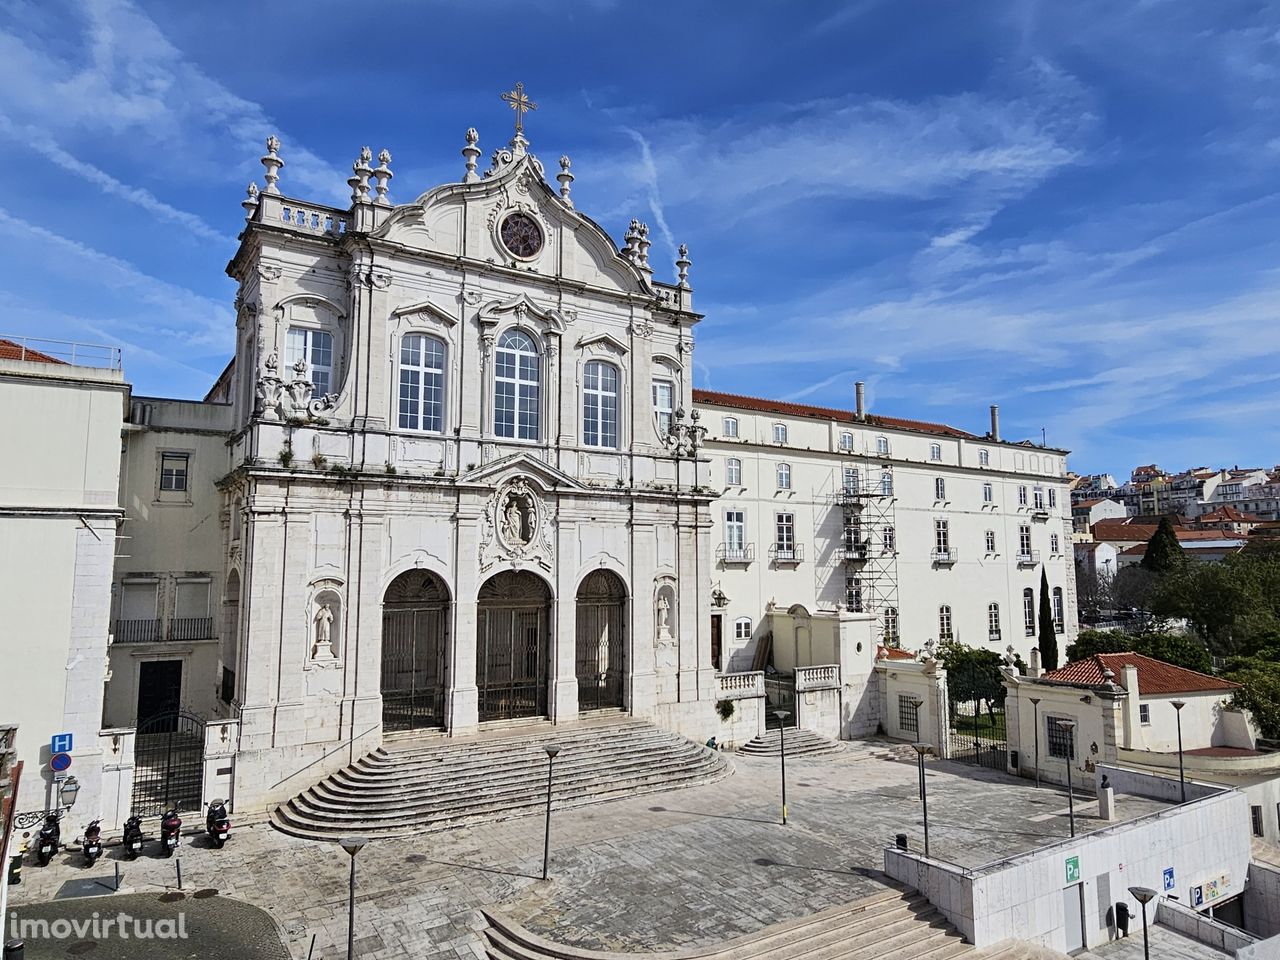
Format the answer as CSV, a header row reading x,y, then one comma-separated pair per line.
x,y
1112,705
688,589
293,629
563,677
937,703
362,647
260,601
462,697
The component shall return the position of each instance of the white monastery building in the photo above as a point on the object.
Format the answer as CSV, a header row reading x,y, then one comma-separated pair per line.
x,y
456,474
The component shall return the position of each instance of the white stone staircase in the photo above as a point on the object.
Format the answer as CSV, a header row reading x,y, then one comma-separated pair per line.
x,y
799,743
433,783
894,924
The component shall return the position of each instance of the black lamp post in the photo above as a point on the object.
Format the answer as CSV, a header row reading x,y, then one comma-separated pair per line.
x,y
1182,776
921,749
782,753
1035,724
352,845
1144,895
552,749
1070,727
916,703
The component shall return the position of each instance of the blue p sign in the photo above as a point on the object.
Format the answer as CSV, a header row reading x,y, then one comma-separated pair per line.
x,y
1168,878
61,743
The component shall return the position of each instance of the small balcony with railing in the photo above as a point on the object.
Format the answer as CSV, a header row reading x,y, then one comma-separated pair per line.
x,y
137,631
786,554
944,556
736,554
993,634
1039,513
191,628
179,629
1028,558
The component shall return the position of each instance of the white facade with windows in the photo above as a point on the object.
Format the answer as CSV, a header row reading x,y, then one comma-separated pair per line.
x,y
961,523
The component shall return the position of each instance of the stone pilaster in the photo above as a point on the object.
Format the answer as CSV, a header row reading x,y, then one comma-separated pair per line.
x,y
643,696
462,697
564,625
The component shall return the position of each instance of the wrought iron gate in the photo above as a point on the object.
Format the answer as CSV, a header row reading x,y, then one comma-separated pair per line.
x,y
511,649
414,629
168,763
601,645
978,733
779,694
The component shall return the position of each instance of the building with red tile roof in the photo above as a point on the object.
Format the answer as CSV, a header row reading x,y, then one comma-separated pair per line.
x,y
9,350
1154,676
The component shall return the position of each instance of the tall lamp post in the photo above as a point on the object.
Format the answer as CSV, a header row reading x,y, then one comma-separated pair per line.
x,y
1035,724
921,749
1070,727
917,703
1182,776
782,753
353,846
552,749
1144,895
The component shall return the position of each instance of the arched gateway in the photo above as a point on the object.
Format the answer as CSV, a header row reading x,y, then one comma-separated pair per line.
x,y
601,645
512,648
415,627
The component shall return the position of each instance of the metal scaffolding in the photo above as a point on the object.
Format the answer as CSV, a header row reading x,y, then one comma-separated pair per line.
x,y
869,549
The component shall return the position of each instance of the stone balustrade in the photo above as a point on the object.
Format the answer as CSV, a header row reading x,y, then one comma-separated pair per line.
x,y
302,217
740,686
825,677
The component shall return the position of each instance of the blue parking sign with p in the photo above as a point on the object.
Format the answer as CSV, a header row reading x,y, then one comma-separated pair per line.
x,y
60,743
1168,878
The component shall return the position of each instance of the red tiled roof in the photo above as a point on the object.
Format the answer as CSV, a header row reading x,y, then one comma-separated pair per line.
x,y
15,351
1228,513
1154,676
786,409
893,653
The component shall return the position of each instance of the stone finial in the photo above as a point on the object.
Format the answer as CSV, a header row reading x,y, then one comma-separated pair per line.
x,y
632,240
565,178
250,202
382,174
470,152
273,163
683,265
362,171
643,245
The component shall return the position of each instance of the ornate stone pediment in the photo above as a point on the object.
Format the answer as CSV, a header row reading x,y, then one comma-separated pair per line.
x,y
424,310
606,340
524,310
543,475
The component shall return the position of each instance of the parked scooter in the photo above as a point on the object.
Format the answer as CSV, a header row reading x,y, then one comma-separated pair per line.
x,y
217,824
132,842
92,842
170,825
49,839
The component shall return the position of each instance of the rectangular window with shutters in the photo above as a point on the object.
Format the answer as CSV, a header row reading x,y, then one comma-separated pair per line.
x,y
191,619
137,620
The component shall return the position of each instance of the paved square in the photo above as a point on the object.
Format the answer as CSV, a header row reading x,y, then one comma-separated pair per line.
x,y
663,870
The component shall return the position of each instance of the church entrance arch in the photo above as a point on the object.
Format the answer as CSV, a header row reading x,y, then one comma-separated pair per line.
x,y
512,646
602,639
415,626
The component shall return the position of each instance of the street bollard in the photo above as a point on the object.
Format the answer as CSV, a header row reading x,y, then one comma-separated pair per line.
x,y
117,887
14,950
178,865
15,869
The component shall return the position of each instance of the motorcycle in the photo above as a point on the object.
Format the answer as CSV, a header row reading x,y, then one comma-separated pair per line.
x,y
170,825
92,842
48,840
132,842
217,824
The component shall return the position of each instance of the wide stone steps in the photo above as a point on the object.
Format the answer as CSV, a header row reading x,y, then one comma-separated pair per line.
x,y
407,787
894,924
799,743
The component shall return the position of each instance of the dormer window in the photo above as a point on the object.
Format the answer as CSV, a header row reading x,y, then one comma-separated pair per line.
x,y
984,458
730,426
846,441
882,446
779,433
935,451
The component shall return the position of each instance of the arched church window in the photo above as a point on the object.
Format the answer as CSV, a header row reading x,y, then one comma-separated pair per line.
x,y
600,404
422,383
316,348
516,387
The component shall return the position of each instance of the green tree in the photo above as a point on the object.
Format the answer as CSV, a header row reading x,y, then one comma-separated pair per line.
x,y
974,675
1259,692
1048,636
1233,606
1164,552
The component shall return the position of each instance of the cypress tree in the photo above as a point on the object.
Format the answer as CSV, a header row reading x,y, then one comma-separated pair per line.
x,y
1048,637
1164,552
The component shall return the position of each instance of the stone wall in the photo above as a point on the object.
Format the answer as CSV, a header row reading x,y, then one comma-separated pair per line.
x,y
1201,927
1262,900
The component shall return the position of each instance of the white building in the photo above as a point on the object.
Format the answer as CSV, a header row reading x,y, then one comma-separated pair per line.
x,y
937,532
64,406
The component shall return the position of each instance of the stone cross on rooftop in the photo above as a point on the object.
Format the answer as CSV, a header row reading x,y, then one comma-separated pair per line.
x,y
520,102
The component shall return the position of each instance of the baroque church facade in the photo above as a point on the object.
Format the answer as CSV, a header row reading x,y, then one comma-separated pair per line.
x,y
458,490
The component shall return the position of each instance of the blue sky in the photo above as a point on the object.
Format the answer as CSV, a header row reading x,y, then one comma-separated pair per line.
x,y
1069,209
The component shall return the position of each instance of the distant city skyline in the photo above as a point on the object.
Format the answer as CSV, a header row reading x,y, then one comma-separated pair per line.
x,y
1065,209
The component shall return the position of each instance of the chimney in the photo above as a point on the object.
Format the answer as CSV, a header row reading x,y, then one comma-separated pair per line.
x,y
995,422
860,393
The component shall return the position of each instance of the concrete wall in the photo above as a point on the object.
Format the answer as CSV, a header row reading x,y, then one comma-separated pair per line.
x,y
925,681
1262,900
1142,784
1028,729
1201,927
1023,897
746,692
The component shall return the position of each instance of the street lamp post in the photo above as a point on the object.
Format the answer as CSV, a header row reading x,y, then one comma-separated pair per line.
x,y
1182,776
782,753
1070,727
552,749
1144,895
353,846
1035,724
921,749
917,703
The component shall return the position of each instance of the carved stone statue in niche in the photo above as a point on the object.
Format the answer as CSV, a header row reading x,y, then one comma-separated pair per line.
x,y
322,648
516,524
664,617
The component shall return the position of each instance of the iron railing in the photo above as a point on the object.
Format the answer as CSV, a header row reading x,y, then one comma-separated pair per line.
x,y
65,351
787,553
1028,558
944,557
137,631
744,553
191,628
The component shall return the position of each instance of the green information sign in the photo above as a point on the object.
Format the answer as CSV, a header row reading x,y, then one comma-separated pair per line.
x,y
1073,869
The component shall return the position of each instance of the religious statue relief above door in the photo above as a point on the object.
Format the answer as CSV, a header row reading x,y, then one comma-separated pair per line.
x,y
516,527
